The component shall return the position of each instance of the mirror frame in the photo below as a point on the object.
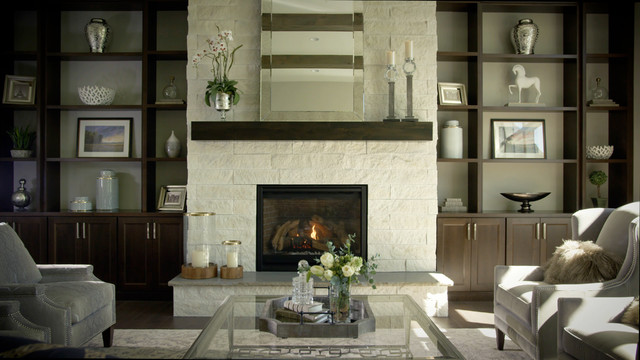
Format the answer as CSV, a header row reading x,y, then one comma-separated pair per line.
x,y
311,22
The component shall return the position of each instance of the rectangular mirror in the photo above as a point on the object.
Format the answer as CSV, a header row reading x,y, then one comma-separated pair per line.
x,y
312,66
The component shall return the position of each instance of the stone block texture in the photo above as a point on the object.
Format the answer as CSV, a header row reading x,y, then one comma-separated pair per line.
x,y
401,175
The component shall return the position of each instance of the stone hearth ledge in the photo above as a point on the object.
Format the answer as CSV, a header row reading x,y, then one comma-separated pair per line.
x,y
203,296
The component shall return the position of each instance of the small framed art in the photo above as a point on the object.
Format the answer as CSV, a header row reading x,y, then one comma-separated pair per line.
x,y
172,197
19,90
452,94
104,137
518,139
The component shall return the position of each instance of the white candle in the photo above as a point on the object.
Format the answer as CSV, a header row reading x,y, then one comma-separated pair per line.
x,y
199,259
408,48
391,57
232,259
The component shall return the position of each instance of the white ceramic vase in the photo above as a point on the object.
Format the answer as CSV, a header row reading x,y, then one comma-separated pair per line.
x,y
451,144
172,146
107,191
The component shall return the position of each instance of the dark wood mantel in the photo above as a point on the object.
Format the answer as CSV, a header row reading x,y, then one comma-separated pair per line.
x,y
298,130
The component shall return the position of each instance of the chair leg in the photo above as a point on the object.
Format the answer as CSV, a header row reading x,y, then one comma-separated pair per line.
x,y
107,337
499,339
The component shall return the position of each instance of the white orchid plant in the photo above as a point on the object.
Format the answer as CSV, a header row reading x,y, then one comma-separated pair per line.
x,y
222,58
341,268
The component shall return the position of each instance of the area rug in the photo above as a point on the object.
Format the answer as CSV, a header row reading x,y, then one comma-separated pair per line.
x,y
474,344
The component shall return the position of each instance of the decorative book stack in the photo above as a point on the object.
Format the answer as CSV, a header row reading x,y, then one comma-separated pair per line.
x,y
453,205
292,312
602,102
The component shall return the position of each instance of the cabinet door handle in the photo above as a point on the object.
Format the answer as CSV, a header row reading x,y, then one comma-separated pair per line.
x,y
13,225
77,230
469,231
84,233
538,231
147,230
154,231
544,231
475,231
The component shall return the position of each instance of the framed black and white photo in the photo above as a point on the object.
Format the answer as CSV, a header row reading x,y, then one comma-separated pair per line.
x,y
518,139
452,94
104,137
172,197
19,90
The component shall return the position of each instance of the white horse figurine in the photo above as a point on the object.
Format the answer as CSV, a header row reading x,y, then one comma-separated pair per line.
x,y
523,82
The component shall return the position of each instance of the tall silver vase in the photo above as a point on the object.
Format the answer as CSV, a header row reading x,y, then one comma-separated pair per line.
x,y
98,34
524,36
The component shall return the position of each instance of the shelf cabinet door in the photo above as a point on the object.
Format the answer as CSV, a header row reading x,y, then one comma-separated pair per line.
x,y
150,252
532,241
487,251
84,240
32,230
453,251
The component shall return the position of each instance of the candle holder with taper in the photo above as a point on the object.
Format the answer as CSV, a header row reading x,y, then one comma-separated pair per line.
x,y
390,75
409,67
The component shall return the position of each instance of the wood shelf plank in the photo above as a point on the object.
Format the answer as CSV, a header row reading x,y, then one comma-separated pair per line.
x,y
290,130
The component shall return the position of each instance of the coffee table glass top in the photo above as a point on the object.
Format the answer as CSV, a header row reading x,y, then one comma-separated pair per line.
x,y
402,330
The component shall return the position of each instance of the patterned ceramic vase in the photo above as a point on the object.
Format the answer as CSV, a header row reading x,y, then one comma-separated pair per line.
x,y
98,34
524,36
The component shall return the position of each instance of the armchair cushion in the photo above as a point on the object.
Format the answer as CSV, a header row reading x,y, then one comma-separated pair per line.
x,y
614,234
590,342
18,266
576,262
83,298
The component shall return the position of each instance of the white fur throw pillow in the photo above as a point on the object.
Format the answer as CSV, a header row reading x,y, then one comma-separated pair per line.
x,y
631,315
577,262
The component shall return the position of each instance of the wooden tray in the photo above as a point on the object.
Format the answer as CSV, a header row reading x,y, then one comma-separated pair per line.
x,y
362,321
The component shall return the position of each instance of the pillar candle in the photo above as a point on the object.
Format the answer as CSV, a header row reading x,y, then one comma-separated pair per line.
x,y
391,57
232,259
408,49
199,259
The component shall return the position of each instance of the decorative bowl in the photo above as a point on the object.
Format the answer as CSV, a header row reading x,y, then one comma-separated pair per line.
x,y
96,95
599,152
525,198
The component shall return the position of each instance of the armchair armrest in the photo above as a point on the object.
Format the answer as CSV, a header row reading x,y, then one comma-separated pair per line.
x,y
14,290
67,272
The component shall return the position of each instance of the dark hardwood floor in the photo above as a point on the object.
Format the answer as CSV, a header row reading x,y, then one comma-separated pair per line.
x,y
159,315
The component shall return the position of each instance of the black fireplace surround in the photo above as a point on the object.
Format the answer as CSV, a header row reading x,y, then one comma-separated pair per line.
x,y
295,222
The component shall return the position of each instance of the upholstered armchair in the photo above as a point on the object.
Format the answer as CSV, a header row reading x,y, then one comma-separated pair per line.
x,y
67,299
593,328
525,307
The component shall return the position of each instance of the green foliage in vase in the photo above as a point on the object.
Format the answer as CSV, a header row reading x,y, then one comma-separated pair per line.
x,y
597,178
22,137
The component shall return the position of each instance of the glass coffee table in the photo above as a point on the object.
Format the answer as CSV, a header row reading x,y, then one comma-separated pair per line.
x,y
402,330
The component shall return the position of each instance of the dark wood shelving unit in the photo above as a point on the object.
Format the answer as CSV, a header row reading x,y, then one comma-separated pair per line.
x,y
48,51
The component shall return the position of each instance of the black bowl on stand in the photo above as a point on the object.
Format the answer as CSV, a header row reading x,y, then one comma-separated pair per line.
x,y
525,198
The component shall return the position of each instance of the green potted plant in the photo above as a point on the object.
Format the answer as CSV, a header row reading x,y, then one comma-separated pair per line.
x,y
597,178
22,138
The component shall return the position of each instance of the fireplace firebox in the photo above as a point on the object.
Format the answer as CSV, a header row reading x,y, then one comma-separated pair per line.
x,y
296,222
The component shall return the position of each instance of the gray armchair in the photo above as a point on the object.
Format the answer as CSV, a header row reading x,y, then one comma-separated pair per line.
x,y
68,299
591,328
525,307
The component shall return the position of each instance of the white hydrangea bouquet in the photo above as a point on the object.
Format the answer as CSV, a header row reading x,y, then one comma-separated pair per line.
x,y
341,268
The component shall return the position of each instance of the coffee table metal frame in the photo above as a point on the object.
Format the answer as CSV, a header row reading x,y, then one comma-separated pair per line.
x,y
242,312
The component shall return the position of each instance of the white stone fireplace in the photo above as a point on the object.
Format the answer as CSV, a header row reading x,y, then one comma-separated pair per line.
x,y
401,176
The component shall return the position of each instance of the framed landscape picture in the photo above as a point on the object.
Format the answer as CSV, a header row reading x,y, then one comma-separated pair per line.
x,y
172,197
518,139
104,137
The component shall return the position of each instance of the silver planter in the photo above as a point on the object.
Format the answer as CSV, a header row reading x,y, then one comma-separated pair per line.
x,y
223,104
524,36
98,34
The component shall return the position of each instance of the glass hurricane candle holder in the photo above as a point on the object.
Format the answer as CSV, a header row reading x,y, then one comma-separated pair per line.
x,y
232,269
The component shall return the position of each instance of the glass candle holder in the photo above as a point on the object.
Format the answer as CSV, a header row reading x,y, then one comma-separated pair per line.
x,y
198,228
232,250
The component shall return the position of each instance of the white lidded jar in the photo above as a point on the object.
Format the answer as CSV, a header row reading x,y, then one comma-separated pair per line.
x,y
451,142
107,190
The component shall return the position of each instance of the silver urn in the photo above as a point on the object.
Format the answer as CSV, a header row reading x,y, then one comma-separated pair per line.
x,y
21,198
98,34
524,36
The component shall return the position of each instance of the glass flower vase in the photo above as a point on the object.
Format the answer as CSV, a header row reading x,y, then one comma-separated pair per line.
x,y
339,303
